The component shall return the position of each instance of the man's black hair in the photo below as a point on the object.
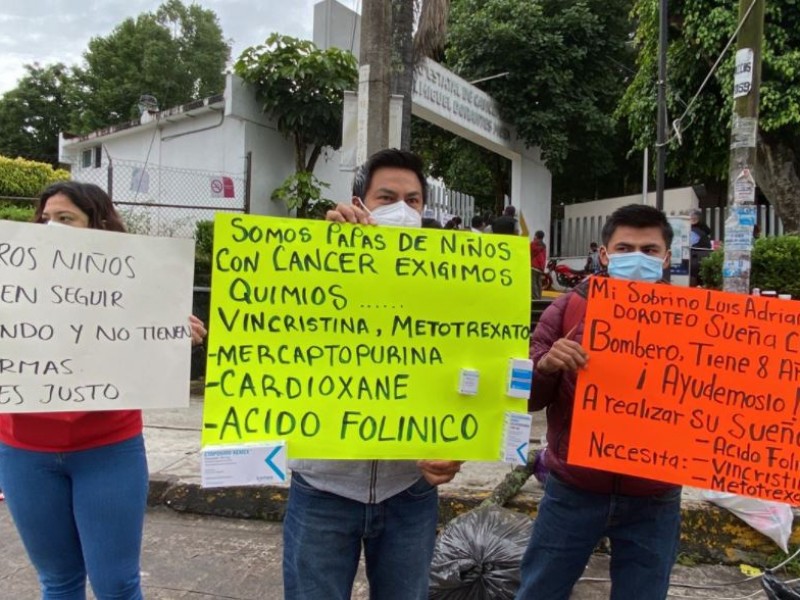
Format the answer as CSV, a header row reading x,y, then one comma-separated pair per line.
x,y
393,158
477,222
539,235
638,216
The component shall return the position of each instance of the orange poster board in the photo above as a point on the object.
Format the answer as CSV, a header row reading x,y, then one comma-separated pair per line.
x,y
692,387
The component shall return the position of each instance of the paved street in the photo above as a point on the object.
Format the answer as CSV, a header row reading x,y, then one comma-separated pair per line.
x,y
187,557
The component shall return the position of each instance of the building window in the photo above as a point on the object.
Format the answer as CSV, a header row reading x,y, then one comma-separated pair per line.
x,y
92,157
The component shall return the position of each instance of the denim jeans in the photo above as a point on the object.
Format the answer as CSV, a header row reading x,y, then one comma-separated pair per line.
x,y
323,534
644,534
80,512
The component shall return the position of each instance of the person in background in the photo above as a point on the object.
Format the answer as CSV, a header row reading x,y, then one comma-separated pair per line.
x,y
700,236
511,211
488,219
504,225
76,482
538,263
387,507
477,225
509,215
580,505
454,223
593,260
700,246
430,223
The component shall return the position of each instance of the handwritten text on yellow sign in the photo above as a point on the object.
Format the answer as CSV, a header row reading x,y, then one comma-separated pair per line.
x,y
348,342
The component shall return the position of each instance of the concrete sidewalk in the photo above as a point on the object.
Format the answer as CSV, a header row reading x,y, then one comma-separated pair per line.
x,y
709,534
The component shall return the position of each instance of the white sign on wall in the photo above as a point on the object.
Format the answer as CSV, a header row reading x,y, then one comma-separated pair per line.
x,y
441,95
93,320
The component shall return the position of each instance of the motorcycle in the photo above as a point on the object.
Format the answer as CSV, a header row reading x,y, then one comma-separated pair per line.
x,y
565,276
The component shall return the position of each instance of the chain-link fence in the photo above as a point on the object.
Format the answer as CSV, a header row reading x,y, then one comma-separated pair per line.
x,y
166,201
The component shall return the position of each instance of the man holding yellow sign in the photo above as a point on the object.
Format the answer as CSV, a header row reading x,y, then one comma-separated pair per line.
x,y
354,350
391,506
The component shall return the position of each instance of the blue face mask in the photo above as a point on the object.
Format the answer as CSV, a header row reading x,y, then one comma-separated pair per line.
x,y
636,266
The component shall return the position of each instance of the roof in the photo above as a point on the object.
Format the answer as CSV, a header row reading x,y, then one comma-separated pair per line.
x,y
179,113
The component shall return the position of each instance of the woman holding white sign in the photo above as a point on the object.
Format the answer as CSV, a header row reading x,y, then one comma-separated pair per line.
x,y
76,482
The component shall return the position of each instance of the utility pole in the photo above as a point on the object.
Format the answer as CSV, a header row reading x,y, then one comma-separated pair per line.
x,y
661,133
744,134
403,63
374,77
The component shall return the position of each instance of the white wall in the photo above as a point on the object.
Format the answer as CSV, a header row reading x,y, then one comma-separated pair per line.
x,y
333,26
583,222
531,188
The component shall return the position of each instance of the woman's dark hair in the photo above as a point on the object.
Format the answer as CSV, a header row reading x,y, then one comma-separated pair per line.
x,y
91,199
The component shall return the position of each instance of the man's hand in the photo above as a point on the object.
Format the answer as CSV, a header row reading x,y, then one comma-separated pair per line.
x,y
349,213
565,355
198,330
437,472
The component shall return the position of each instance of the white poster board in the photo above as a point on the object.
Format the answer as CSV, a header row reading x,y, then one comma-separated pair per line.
x,y
681,248
93,320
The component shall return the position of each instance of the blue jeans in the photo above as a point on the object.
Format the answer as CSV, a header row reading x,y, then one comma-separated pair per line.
x,y
323,534
80,512
644,534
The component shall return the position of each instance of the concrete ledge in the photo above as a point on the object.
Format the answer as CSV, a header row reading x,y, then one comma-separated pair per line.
x,y
708,534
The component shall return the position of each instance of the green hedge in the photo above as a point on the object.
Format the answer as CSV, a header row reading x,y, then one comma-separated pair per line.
x,y
203,252
776,266
26,178
12,211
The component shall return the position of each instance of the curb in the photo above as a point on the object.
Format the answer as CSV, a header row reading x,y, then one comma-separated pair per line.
x,y
708,533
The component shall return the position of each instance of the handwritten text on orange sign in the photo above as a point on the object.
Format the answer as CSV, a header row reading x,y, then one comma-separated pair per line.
x,y
692,387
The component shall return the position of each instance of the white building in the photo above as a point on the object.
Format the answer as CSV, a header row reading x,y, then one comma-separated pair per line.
x,y
177,166
221,153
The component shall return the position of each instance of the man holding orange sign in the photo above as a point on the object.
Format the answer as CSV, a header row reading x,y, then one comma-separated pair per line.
x,y
580,505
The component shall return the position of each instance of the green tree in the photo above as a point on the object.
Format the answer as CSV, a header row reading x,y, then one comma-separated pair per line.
x,y
463,166
302,89
176,54
33,113
699,30
567,62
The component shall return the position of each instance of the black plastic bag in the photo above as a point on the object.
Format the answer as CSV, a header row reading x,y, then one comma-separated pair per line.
x,y
777,590
478,554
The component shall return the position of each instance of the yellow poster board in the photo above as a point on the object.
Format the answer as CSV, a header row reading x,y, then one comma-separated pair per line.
x,y
349,341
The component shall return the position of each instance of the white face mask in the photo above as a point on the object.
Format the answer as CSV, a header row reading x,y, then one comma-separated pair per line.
x,y
397,214
56,223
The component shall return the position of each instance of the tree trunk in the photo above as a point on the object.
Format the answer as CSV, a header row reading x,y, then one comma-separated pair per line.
x,y
512,483
312,159
777,176
403,62
299,153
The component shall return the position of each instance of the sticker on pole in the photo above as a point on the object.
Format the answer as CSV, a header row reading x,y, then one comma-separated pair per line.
x,y
245,464
744,188
743,73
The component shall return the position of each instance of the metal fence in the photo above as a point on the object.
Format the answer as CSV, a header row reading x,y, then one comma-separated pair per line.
x,y
571,237
166,201
444,203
